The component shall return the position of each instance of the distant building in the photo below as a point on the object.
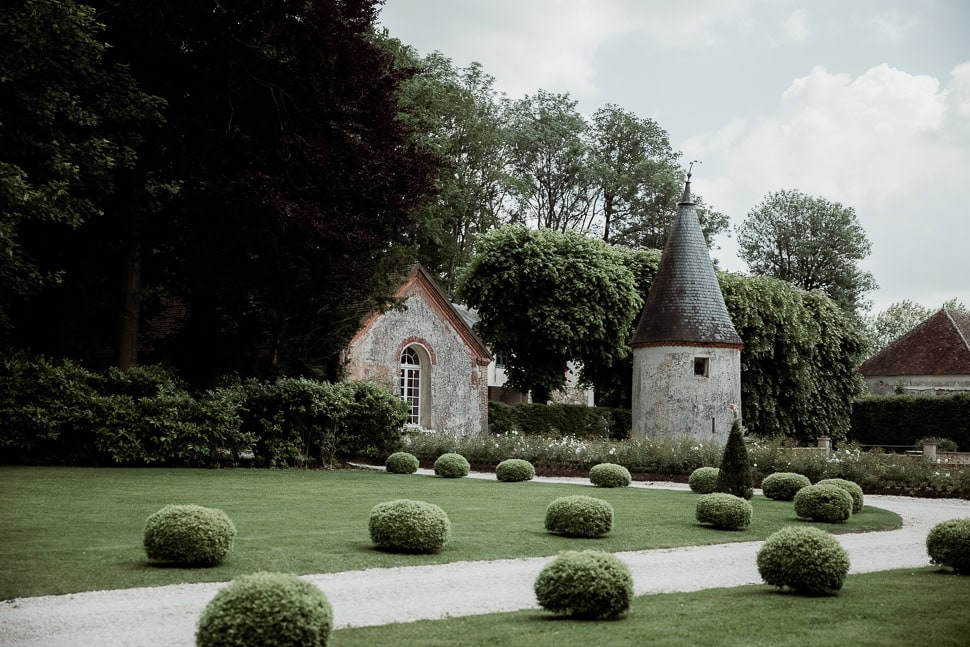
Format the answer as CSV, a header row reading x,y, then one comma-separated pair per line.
x,y
931,359
686,351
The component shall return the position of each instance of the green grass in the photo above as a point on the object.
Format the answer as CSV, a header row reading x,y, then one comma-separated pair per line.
x,y
66,529
904,607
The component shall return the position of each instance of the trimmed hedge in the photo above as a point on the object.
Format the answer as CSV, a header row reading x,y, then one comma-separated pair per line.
x,y
409,526
805,559
724,511
783,486
451,466
266,609
559,420
905,419
589,584
513,470
609,475
579,516
190,535
703,480
858,499
948,544
401,463
826,503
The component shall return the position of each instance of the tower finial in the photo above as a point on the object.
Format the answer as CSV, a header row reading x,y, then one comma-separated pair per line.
x,y
691,167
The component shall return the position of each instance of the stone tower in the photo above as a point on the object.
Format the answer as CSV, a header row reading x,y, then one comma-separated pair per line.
x,y
686,351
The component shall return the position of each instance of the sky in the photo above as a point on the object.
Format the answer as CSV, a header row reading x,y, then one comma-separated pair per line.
x,y
861,102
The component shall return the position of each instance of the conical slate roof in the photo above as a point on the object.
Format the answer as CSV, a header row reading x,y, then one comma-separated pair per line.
x,y
685,306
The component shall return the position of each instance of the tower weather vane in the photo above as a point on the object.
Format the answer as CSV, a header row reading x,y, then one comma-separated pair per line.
x,y
691,167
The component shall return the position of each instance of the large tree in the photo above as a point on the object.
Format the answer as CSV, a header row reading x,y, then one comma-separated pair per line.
x,y
545,298
811,242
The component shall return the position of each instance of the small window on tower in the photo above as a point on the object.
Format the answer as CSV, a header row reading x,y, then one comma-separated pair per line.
x,y
701,365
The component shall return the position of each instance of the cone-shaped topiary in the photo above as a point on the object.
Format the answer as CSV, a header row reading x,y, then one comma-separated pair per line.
x,y
512,470
734,476
948,544
266,609
579,516
703,480
409,526
821,502
586,584
851,487
807,560
609,475
723,510
783,486
401,463
451,466
191,535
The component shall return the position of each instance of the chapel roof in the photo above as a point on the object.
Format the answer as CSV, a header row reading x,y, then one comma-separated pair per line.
x,y
685,306
938,346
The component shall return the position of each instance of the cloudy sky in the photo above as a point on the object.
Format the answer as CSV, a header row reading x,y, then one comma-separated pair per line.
x,y
864,102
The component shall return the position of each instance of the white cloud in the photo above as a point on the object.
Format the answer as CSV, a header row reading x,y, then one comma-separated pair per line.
x,y
891,144
796,26
893,26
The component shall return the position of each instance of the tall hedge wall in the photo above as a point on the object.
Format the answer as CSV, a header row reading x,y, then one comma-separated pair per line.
x,y
904,419
559,420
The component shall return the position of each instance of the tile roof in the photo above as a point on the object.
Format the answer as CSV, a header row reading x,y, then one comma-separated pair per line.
x,y
685,305
938,346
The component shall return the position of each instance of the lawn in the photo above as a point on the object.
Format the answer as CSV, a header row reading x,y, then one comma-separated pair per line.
x,y
903,607
65,529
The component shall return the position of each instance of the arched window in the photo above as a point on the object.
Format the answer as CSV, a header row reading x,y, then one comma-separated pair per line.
x,y
411,384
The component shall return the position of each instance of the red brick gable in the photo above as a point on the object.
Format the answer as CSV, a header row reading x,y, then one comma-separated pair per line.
x,y
938,346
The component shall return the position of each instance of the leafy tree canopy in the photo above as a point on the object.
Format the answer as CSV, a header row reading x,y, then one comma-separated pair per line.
x,y
811,242
545,298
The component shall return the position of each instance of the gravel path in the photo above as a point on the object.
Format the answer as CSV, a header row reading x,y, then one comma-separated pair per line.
x,y
166,615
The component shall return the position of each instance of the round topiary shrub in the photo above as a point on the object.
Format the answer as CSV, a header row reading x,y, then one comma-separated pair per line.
x,y
579,516
585,584
948,544
828,503
849,486
189,534
723,510
609,475
267,609
515,469
409,526
703,480
451,466
805,559
401,463
783,486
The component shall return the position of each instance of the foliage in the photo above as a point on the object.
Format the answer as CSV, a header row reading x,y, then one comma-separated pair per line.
x,y
191,535
585,584
724,511
451,466
545,298
609,475
783,486
734,475
556,419
898,319
851,487
512,470
904,419
579,516
401,463
942,444
409,526
271,609
948,544
806,560
703,480
811,242
827,503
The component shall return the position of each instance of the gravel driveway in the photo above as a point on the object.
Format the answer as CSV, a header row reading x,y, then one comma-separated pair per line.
x,y
166,615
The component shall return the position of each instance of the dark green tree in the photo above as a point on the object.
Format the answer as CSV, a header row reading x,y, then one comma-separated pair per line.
x,y
734,475
545,298
812,243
